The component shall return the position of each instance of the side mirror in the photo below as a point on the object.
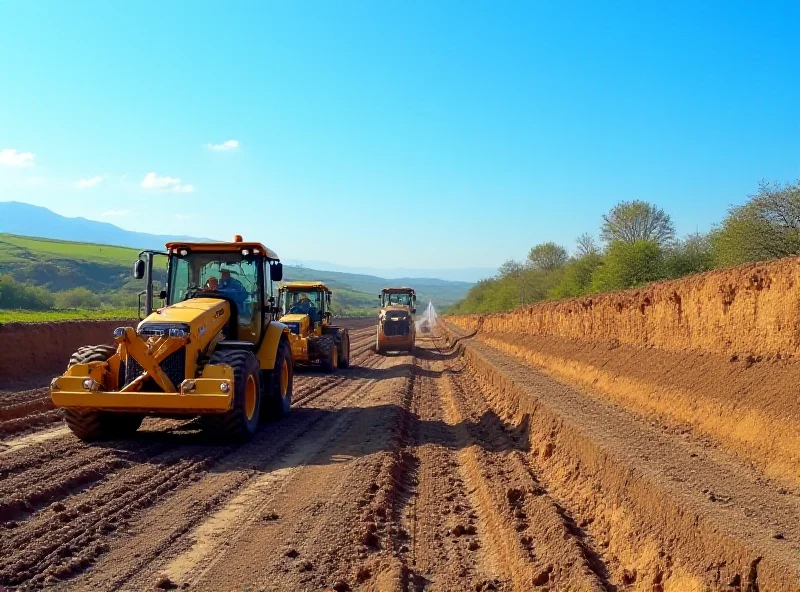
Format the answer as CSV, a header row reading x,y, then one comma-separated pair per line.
x,y
276,272
162,295
138,269
413,311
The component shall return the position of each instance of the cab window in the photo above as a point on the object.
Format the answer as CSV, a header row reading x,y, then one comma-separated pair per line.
x,y
229,274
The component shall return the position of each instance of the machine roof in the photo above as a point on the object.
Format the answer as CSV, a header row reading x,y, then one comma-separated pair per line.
x,y
237,245
399,290
307,285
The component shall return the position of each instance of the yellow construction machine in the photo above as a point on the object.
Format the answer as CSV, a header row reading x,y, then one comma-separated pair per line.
x,y
214,349
306,310
396,327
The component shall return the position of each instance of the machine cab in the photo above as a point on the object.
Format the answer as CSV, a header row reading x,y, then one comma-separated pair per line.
x,y
201,276
305,306
399,297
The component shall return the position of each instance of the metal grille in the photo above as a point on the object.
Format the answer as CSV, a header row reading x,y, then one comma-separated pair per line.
x,y
395,328
174,367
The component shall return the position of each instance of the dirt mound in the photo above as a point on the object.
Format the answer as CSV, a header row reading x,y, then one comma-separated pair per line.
x,y
746,311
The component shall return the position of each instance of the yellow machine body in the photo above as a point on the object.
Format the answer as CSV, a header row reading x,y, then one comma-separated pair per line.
x,y
396,329
195,325
305,333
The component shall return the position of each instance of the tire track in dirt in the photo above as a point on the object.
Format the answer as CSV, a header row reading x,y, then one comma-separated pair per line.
x,y
441,547
74,495
312,496
481,519
168,527
24,411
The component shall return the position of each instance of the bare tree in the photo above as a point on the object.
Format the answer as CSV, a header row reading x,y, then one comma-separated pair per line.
x,y
586,245
548,256
631,221
510,268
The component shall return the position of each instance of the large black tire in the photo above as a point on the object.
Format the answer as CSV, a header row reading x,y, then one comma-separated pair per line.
x,y
329,352
92,426
240,423
344,349
278,402
378,349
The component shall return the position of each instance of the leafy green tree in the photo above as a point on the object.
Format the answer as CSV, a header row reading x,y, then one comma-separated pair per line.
x,y
77,298
510,269
633,221
626,265
548,256
766,227
16,295
577,277
694,254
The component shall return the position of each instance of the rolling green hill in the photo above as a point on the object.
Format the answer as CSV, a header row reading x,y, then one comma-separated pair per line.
x,y
64,267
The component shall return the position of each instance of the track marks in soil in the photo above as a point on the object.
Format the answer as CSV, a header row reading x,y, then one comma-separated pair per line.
x,y
440,548
25,411
310,503
527,538
79,498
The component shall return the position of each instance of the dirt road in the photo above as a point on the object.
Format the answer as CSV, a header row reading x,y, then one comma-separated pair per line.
x,y
456,468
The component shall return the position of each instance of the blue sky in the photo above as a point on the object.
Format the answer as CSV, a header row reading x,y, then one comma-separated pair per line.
x,y
469,130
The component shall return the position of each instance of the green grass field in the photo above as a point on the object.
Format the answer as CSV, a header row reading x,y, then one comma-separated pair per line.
x,y
35,316
24,248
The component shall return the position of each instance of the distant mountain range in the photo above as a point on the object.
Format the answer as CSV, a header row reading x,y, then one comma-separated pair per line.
x,y
29,220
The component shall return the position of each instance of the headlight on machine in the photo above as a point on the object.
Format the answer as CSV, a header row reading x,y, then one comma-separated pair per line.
x,y
91,384
175,330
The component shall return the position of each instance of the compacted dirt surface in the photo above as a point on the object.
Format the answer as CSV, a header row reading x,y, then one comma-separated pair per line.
x,y
457,467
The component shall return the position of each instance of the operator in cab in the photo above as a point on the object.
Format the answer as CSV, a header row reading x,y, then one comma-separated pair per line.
x,y
305,306
229,286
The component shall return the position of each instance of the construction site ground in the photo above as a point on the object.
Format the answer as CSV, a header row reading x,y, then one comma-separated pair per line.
x,y
456,467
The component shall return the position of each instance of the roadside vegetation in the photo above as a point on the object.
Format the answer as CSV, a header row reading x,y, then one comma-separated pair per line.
x,y
637,245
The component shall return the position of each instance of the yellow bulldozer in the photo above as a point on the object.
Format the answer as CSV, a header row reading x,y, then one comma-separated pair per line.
x,y
214,349
306,310
396,327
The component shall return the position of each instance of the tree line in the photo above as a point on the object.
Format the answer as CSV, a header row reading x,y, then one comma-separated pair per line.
x,y
638,244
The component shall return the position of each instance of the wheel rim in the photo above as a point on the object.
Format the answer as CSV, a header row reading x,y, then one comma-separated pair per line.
x,y
250,397
285,378
335,357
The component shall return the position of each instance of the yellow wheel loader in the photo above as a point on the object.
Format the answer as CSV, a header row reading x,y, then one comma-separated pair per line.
x,y
396,327
214,349
306,309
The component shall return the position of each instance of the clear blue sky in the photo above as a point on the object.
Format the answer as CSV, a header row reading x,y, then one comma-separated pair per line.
x,y
483,128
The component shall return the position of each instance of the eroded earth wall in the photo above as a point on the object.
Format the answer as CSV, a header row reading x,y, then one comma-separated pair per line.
x,y
41,349
713,354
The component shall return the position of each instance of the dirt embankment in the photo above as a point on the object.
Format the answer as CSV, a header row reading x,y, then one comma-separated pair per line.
x,y
41,349
747,310
714,355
